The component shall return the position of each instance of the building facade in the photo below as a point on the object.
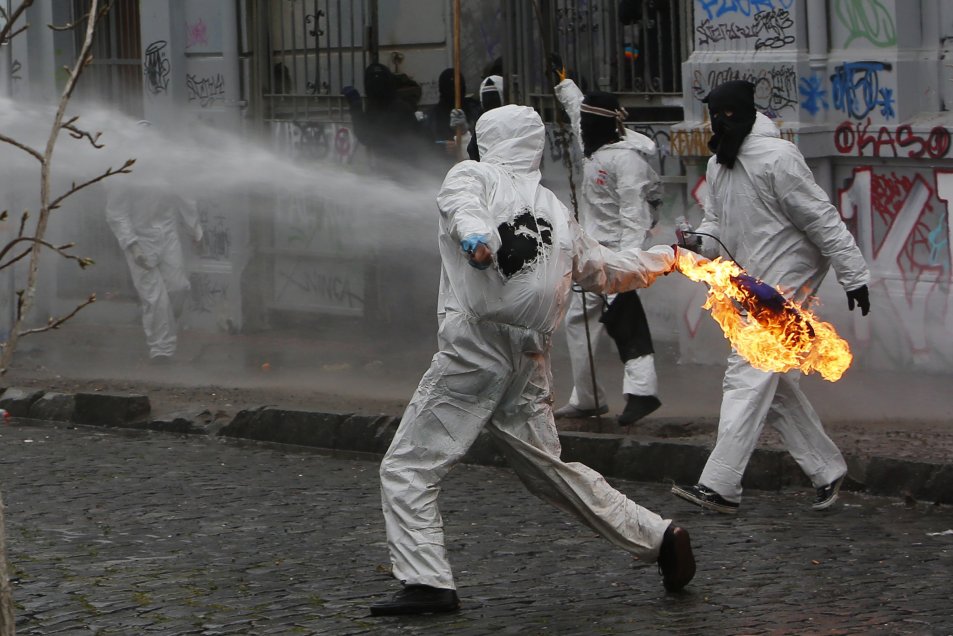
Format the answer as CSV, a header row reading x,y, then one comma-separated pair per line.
x,y
862,86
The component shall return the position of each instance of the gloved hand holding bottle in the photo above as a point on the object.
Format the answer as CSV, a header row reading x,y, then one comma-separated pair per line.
x,y
458,120
477,250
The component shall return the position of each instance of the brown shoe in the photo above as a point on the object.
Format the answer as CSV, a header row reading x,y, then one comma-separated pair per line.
x,y
676,563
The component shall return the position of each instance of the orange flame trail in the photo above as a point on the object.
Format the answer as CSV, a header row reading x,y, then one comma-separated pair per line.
x,y
775,339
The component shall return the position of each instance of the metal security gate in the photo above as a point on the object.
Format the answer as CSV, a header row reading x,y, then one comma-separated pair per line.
x,y
115,75
634,49
315,48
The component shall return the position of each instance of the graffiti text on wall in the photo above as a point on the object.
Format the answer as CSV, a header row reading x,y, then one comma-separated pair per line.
x,y
156,67
205,90
856,90
769,29
775,87
859,139
718,8
694,142
868,20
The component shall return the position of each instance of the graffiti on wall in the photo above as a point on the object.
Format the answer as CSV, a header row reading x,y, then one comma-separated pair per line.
x,y
319,141
864,139
903,227
156,67
694,142
205,90
866,20
776,86
856,90
718,8
196,34
773,29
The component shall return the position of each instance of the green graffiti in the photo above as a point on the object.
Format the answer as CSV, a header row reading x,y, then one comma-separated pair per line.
x,y
867,19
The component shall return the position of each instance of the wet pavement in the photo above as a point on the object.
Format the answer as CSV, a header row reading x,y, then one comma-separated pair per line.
x,y
112,532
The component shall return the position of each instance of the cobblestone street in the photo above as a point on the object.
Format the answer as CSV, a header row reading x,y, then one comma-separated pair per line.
x,y
139,533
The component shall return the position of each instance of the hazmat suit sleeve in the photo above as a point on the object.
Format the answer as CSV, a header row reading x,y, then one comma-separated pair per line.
x,y
711,221
118,202
463,203
638,190
598,269
571,98
188,212
810,210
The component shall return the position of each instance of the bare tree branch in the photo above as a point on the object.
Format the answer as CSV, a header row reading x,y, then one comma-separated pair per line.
x,y
125,169
5,33
23,219
25,148
78,133
83,261
55,323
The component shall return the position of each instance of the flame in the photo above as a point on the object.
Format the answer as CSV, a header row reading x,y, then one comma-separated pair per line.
x,y
773,334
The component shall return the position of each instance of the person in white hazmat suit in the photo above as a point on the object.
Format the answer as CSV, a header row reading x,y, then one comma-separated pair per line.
x,y
509,252
621,194
765,207
145,219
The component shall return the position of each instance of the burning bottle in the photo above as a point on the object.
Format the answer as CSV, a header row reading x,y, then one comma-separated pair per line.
x,y
770,331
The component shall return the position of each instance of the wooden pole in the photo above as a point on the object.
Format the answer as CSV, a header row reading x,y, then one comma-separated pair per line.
x,y
457,88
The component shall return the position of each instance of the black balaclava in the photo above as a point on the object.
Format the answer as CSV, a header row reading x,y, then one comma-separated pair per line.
x,y
379,83
601,121
728,133
445,87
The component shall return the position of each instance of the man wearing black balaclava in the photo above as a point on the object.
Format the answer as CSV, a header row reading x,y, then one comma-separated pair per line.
x,y
385,124
731,106
772,218
491,96
620,198
443,119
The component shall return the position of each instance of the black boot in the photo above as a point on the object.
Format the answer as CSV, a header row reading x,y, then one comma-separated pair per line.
x,y
418,599
637,407
676,563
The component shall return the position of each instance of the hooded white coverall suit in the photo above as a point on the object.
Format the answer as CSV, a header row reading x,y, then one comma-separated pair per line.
x,y
493,368
146,224
619,205
782,228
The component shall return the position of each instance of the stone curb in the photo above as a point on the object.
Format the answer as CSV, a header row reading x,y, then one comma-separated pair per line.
x,y
615,456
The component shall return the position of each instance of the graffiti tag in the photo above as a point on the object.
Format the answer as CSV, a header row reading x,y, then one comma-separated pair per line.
x,y
205,90
857,139
156,67
855,89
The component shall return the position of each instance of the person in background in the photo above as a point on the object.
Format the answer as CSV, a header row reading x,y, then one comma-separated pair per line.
x,y
491,96
765,208
385,124
621,194
146,219
509,251
442,122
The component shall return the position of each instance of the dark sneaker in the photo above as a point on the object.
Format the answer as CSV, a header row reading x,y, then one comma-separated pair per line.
x,y
418,599
572,411
827,495
676,563
706,498
637,407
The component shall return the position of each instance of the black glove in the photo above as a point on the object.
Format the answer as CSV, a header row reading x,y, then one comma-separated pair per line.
x,y
860,296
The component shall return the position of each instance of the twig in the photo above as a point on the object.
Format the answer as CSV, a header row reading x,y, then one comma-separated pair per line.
x,y
78,133
23,219
5,33
55,323
76,188
61,250
25,148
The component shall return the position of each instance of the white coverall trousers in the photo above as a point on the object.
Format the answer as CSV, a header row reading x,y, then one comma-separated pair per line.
x,y
162,293
498,376
750,398
639,375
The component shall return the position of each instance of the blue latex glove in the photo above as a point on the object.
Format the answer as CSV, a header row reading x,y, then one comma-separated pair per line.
x,y
470,244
